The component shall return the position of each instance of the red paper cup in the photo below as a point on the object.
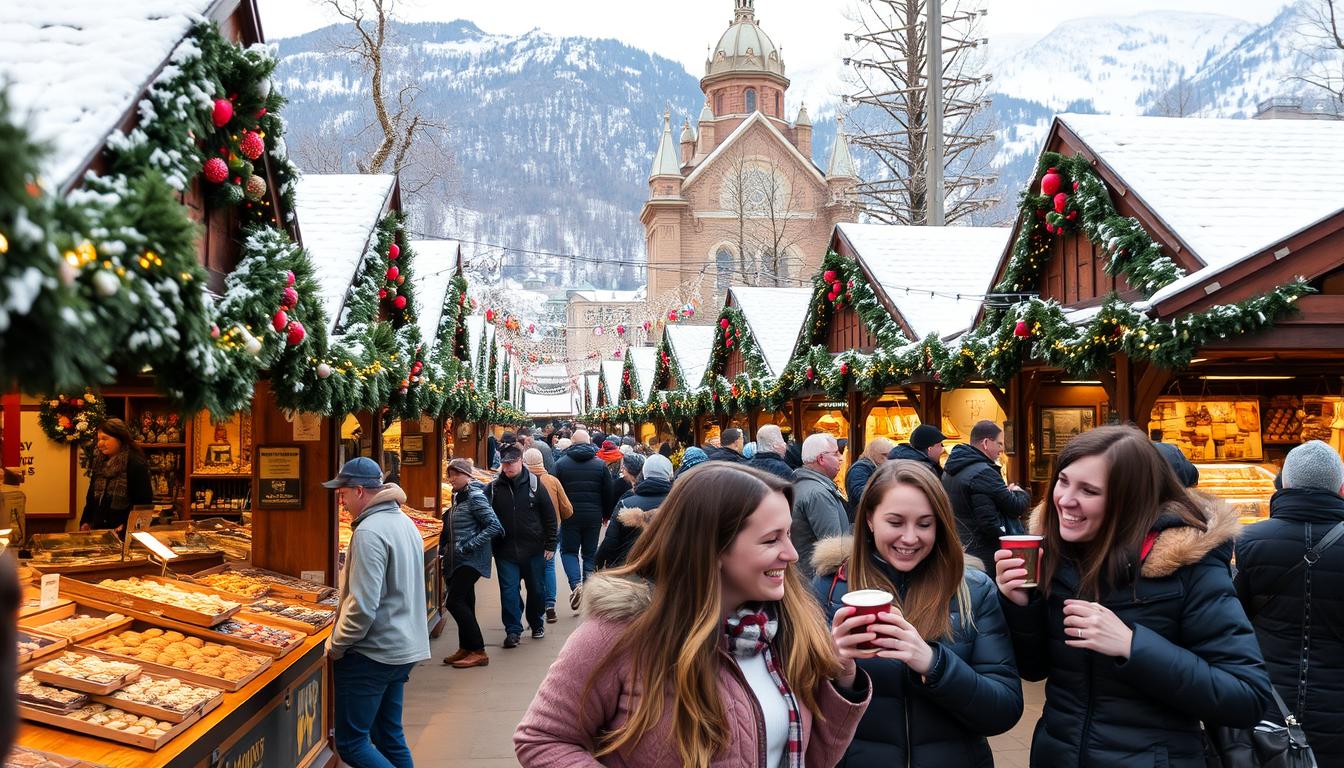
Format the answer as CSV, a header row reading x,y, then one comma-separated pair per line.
x,y
868,602
1028,548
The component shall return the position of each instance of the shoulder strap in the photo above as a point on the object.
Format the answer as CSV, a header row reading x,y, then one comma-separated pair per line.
x,y
1309,559
532,481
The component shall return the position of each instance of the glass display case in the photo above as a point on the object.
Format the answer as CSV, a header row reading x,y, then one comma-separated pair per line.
x,y
181,538
1209,429
78,547
234,540
1247,487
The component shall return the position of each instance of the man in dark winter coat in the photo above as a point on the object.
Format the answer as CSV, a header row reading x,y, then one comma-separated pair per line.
x,y
925,446
770,448
525,511
587,483
856,479
1303,661
985,506
818,509
730,447
635,511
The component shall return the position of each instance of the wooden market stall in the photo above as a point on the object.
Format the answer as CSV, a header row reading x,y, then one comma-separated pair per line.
x,y
682,357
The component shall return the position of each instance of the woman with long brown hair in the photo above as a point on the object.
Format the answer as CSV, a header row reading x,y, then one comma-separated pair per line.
x,y
705,648
1135,626
942,671
120,479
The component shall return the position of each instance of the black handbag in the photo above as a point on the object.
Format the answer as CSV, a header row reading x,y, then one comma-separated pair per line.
x,y
1269,744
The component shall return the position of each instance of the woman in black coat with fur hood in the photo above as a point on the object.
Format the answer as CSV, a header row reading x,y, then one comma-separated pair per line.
x,y
1136,627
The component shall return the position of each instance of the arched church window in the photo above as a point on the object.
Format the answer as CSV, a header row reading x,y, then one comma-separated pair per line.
x,y
718,103
723,262
750,98
779,105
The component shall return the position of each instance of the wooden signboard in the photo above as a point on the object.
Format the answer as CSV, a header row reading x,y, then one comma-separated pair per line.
x,y
279,477
412,450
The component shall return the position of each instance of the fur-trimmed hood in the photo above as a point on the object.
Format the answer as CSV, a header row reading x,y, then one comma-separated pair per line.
x,y
1177,544
831,553
635,517
615,598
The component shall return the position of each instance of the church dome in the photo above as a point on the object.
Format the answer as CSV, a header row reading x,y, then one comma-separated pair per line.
x,y
744,47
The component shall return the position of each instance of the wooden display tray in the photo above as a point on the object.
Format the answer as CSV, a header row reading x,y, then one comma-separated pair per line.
x,y
159,713
41,653
165,622
102,732
84,589
186,675
263,617
57,761
31,606
85,686
67,611
179,579
318,592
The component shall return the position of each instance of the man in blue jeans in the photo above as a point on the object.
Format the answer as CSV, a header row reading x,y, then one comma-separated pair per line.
x,y
524,509
380,631
588,485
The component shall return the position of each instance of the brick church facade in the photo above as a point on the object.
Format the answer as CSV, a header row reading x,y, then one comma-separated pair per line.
x,y
738,200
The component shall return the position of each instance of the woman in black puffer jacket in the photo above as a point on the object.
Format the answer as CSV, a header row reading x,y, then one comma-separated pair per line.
x,y
1136,626
946,679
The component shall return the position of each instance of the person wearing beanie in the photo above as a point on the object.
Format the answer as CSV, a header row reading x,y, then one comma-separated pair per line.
x,y
634,512
535,461
925,446
1186,472
609,453
692,456
562,444
1272,582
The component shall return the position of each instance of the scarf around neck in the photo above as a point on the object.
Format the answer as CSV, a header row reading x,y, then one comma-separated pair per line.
x,y
750,632
109,479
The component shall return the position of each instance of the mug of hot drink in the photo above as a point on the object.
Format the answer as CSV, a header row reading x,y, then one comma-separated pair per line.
x,y
868,602
1028,548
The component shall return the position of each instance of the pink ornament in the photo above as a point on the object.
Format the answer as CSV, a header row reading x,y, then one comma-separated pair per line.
x,y
289,279
222,112
393,251
214,331
289,299
382,293
280,320
1061,200
399,302
723,323
392,273
296,333
1051,182
216,170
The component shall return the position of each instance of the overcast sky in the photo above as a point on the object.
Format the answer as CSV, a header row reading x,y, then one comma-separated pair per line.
x,y
811,34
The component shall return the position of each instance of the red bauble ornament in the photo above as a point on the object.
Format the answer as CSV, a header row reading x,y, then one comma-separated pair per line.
x,y
296,333
1075,186
829,275
723,323
1021,330
289,279
393,251
1061,200
831,296
810,373
1050,228
399,302
280,320
222,112
672,316
392,273
216,170
648,324
419,366
837,287
489,315
382,293
620,330
289,299
1051,182
728,342
251,145
844,369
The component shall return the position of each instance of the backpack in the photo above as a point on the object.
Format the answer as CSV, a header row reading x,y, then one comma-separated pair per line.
x,y
531,489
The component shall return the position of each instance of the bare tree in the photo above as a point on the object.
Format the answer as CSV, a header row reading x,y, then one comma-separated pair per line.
x,y
1322,47
759,192
889,115
400,138
1180,100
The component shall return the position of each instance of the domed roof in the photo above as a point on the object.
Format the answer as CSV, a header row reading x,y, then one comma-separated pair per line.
x,y
744,47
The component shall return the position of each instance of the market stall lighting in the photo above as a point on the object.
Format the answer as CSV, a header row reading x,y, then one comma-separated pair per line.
x,y
1247,378
1081,382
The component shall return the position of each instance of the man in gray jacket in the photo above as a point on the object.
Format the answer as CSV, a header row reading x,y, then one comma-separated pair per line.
x,y
380,631
818,509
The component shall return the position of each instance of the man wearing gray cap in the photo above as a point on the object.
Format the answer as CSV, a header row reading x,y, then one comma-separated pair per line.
x,y
1290,578
380,632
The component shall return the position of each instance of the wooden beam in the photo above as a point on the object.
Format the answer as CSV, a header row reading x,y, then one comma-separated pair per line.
x,y
1001,397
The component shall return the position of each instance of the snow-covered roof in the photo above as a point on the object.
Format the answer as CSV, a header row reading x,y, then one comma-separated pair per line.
x,y
434,272
611,377
775,316
548,405
77,66
923,269
476,325
645,360
337,214
691,345
1228,188
738,133
590,386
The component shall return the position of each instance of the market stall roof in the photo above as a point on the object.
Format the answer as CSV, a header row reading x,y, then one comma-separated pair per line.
x,y
560,404
691,345
775,317
645,360
77,67
476,325
1228,189
435,267
338,214
611,379
590,386
935,277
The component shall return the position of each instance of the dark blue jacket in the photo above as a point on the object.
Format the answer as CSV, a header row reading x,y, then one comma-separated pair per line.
x,y
632,515
767,461
908,453
1194,658
971,692
587,483
525,511
984,506
856,479
725,454
473,524
1309,675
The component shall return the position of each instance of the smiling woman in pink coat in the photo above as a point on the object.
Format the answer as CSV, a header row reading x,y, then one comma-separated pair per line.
x,y
706,649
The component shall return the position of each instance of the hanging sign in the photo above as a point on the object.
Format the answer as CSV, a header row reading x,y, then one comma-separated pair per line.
x,y
279,476
412,450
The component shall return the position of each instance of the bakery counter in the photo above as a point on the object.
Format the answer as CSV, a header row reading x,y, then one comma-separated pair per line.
x,y
280,719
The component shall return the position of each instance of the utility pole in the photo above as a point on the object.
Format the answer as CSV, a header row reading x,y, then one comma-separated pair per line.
x,y
933,189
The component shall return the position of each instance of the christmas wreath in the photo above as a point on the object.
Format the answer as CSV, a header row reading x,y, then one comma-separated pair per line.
x,y
72,419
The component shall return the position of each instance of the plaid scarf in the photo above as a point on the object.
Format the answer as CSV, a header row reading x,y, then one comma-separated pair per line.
x,y
109,479
749,632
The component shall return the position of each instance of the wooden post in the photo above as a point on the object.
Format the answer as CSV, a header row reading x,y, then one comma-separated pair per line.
x,y
857,421
422,482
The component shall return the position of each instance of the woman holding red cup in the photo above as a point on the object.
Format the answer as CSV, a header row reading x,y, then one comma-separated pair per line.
x,y
940,659
1135,625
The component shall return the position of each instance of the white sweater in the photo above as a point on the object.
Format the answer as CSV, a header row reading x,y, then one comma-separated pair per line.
x,y
773,706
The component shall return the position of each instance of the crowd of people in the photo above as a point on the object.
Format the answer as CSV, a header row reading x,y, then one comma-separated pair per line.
x,y
739,580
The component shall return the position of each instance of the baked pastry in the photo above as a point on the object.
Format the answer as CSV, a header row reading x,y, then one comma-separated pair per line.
x,y
315,617
235,583
170,595
90,668
166,693
175,650
34,692
257,633
82,623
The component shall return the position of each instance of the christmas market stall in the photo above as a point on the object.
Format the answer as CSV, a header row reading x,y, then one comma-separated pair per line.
x,y
1186,277
682,357
636,383
607,400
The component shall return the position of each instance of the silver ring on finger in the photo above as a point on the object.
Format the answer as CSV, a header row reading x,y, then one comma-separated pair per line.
x,y
1078,632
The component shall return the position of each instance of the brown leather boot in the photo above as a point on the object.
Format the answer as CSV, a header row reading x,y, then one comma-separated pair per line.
x,y
472,659
458,655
